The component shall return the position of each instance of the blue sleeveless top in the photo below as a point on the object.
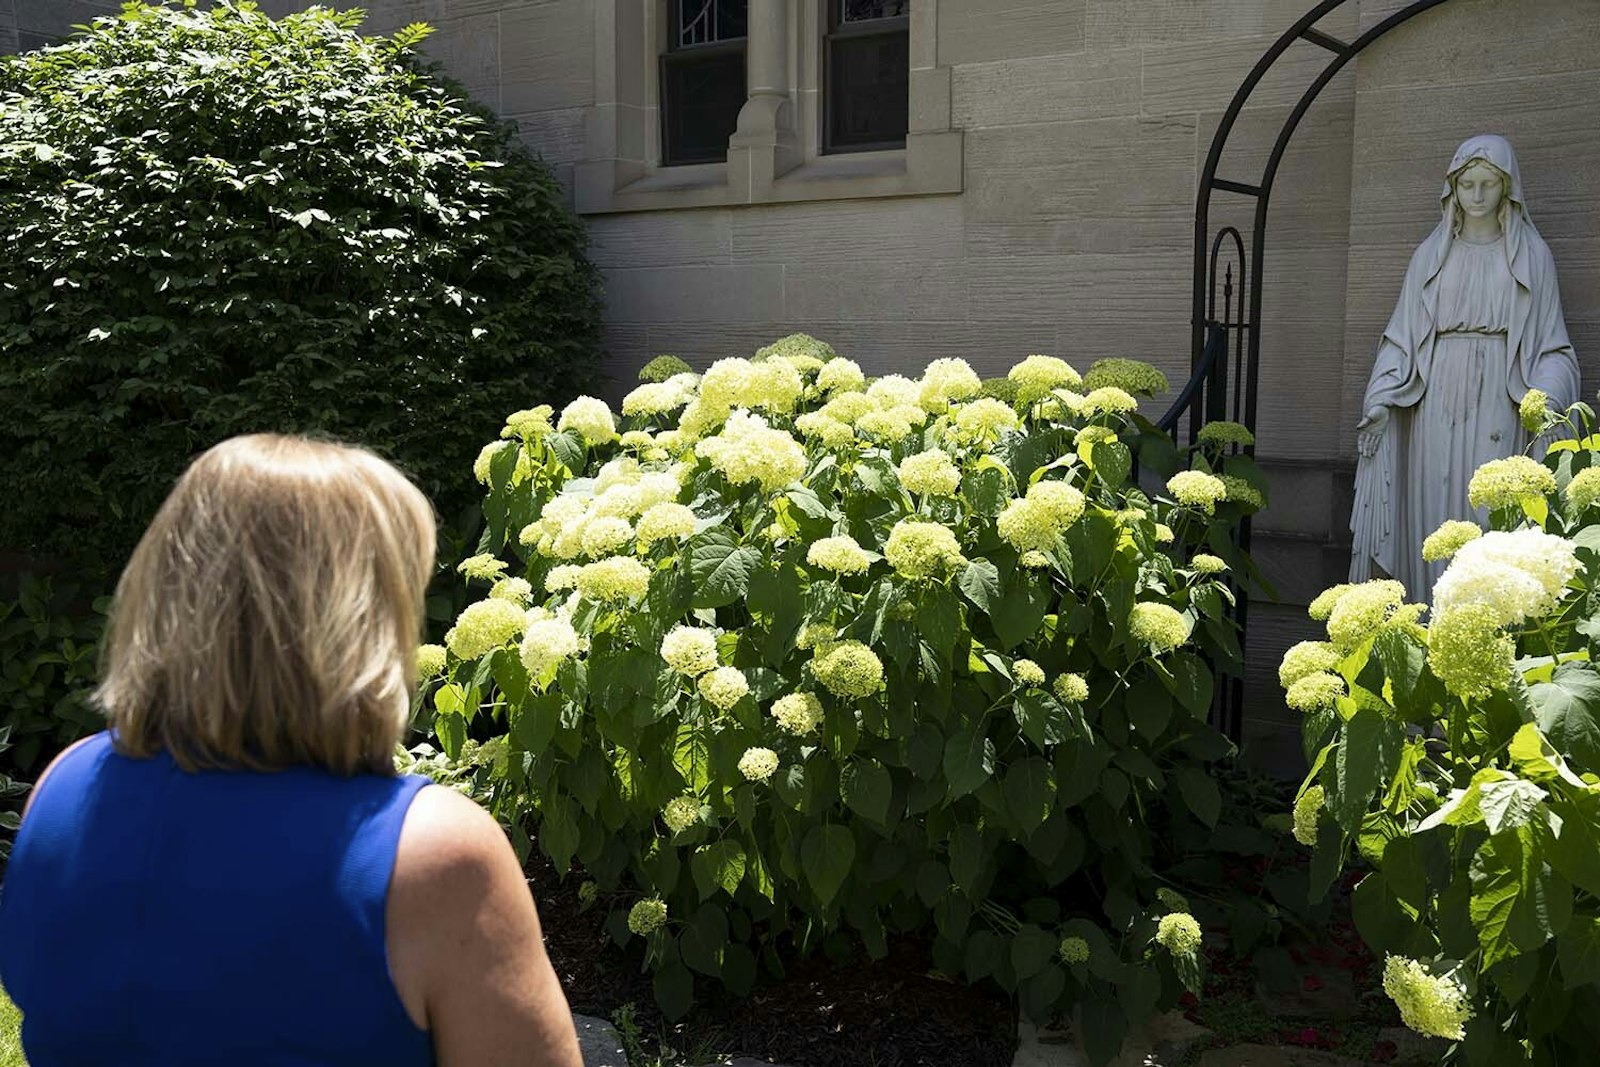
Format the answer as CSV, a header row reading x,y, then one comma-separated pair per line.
x,y
150,916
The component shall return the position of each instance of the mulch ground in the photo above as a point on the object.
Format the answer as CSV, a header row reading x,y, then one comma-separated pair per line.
x,y
859,1013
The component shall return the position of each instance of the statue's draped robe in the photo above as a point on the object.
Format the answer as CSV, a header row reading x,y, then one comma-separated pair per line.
x,y
1453,365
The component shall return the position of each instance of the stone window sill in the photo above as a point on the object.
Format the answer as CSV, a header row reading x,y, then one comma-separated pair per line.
x,y
929,165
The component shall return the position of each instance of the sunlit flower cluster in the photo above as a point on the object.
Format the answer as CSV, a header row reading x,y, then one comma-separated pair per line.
x,y
723,687
660,398
1469,651
1358,612
647,916
1307,657
1179,934
1503,483
840,376
1447,540
528,423
681,813
614,579
1534,410
758,764
840,554
771,385
484,627
797,713
1221,434
665,520
848,669
1520,574
1038,376
983,420
1206,563
690,650
1197,489
1130,375
1070,688
1109,400
430,661
1028,672
590,419
484,567
1160,626
1036,522
748,450
1308,814
547,643
945,381
922,549
1073,950
1240,491
930,473
1317,691
1429,1003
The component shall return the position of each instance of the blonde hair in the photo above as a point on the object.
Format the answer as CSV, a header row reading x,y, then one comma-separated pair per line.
x,y
270,614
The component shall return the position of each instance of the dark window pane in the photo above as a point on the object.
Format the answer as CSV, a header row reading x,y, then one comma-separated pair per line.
x,y
701,95
866,10
869,101
699,22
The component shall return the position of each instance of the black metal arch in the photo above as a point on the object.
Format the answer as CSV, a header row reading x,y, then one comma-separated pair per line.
x,y
1205,397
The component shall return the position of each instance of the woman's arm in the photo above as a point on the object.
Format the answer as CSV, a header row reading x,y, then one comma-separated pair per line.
x,y
465,949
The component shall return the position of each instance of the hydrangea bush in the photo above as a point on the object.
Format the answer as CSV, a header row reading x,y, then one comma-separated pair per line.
x,y
788,658
1455,748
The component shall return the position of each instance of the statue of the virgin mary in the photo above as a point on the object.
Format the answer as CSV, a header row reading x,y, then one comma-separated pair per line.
x,y
1478,324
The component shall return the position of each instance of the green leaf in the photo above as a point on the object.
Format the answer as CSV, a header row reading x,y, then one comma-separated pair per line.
x,y
1020,610
703,939
1192,683
1104,1029
1040,718
1578,951
980,583
1567,709
1149,708
1201,794
1028,792
967,855
1031,949
1385,922
452,733
1517,902
1509,803
867,789
1366,757
674,990
826,856
1575,853
720,567
718,865
968,761
1039,994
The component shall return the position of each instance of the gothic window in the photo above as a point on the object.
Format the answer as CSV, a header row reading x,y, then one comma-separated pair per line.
x,y
702,79
868,73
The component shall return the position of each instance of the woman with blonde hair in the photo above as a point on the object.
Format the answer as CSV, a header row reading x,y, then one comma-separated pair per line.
x,y
233,872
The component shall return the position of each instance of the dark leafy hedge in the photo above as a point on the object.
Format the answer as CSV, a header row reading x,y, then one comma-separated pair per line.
x,y
215,222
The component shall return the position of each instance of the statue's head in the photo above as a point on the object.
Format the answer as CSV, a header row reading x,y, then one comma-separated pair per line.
x,y
1481,188
1482,182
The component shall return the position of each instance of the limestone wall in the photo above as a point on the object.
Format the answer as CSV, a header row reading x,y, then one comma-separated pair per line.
x,y
1086,124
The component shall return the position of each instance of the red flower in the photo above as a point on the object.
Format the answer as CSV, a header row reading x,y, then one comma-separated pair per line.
x,y
1308,1037
1384,1052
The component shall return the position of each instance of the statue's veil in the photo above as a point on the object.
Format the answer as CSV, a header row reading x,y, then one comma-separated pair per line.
x,y
1514,217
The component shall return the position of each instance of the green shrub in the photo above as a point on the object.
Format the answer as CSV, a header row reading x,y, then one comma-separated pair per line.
x,y
942,668
217,223
48,647
1460,760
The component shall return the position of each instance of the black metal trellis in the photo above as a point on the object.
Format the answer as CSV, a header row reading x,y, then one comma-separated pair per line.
x,y
1205,397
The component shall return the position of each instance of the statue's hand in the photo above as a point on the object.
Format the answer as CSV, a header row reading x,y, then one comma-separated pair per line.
x,y
1369,431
